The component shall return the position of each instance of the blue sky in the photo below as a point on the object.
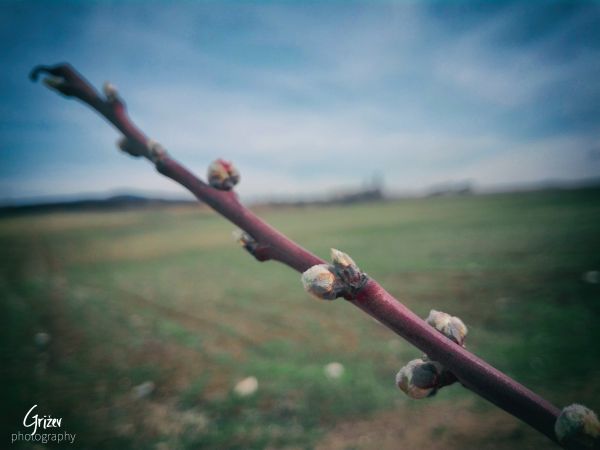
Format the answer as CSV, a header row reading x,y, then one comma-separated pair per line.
x,y
306,98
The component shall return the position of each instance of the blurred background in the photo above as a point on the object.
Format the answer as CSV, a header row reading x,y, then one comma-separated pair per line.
x,y
452,148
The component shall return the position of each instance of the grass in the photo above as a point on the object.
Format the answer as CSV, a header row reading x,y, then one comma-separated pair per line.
x,y
164,295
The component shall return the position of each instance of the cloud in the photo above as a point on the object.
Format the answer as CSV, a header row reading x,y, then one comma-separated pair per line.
x,y
309,98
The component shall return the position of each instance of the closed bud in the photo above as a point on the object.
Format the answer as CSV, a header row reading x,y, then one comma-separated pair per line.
x,y
130,147
450,326
245,240
241,237
110,91
341,259
347,269
321,282
123,144
223,175
155,151
577,427
419,379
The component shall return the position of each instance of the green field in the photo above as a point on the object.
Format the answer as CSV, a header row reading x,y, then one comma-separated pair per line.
x,y
165,295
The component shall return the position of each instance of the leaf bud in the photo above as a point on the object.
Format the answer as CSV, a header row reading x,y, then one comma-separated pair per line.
x,y
223,175
321,282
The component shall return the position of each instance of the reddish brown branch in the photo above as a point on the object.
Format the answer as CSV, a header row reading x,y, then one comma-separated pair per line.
x,y
471,371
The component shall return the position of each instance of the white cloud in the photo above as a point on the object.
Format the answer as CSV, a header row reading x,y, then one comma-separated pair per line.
x,y
318,102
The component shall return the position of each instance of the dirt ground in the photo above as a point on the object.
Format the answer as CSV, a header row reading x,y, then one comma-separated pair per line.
x,y
444,426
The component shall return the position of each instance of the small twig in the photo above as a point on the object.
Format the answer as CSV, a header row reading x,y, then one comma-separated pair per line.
x,y
340,279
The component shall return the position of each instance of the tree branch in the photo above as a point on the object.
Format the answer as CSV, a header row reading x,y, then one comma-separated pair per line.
x,y
265,243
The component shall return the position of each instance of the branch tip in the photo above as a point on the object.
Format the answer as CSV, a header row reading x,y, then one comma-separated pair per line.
x,y
578,428
65,79
37,70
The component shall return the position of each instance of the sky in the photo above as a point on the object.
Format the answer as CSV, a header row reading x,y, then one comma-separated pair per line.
x,y
306,98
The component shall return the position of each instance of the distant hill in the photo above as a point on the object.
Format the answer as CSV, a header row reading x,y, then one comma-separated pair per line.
x,y
365,195
116,202
120,202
